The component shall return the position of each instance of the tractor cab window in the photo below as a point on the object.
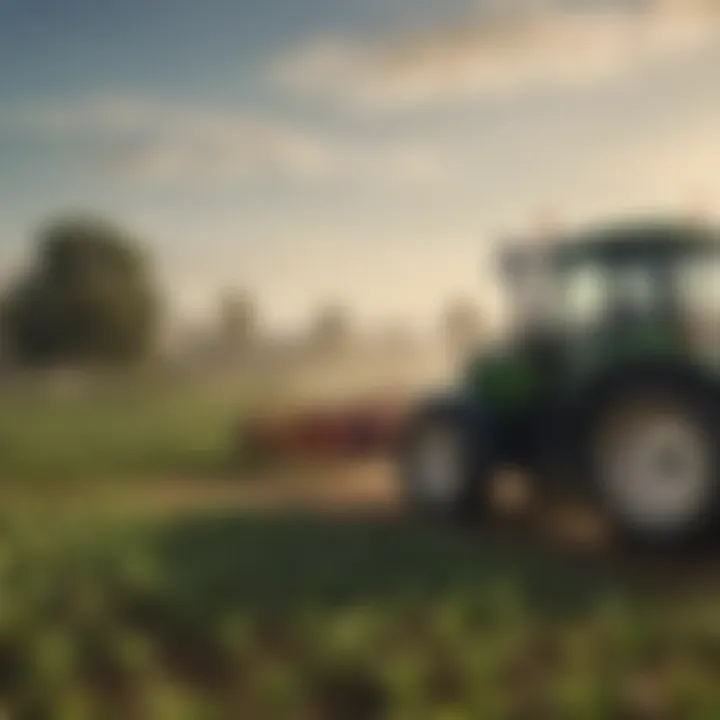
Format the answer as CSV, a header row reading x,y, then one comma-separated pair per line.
x,y
636,293
585,296
530,285
698,280
698,298
597,294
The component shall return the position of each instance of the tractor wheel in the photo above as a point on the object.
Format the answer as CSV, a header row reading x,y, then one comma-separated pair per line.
x,y
444,463
654,464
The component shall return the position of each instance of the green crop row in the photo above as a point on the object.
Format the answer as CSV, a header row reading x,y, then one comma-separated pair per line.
x,y
232,617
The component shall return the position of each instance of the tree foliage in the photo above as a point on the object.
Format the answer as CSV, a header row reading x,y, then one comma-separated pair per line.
x,y
88,298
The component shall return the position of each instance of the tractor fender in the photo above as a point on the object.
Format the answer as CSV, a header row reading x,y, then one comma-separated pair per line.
x,y
674,373
580,412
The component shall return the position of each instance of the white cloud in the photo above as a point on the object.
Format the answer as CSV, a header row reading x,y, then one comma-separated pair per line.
x,y
145,140
524,46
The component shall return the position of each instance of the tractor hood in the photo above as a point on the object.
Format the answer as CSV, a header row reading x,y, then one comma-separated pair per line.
x,y
505,378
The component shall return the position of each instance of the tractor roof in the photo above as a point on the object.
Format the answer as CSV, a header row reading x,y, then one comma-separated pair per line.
x,y
635,240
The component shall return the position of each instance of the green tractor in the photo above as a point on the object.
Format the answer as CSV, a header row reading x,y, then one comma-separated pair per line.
x,y
610,382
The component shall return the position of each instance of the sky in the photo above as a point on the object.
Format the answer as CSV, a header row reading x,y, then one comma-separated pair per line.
x,y
373,152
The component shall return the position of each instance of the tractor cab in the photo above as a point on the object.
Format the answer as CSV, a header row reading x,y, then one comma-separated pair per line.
x,y
636,289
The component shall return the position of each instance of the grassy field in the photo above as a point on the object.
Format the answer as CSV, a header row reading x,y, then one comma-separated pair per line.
x,y
230,616
184,611
120,430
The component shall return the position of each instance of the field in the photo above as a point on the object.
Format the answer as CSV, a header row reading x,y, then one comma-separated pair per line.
x,y
123,430
144,575
219,615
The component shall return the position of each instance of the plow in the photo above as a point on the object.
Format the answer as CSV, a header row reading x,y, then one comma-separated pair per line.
x,y
351,430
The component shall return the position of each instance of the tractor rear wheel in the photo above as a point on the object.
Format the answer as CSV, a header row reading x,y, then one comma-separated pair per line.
x,y
654,464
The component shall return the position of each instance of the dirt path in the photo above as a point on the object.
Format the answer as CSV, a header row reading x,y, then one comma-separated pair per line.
x,y
354,490
361,491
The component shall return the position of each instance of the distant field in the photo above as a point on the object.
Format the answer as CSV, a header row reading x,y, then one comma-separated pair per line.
x,y
218,616
65,431
118,431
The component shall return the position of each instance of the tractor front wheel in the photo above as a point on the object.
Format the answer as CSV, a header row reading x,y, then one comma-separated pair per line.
x,y
445,463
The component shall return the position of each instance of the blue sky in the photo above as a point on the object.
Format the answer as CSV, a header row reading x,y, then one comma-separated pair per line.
x,y
368,152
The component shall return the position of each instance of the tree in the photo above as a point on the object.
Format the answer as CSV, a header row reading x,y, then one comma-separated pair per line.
x,y
239,322
331,332
88,298
460,325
